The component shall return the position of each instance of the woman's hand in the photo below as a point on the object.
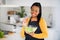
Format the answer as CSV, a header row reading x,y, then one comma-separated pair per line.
x,y
31,33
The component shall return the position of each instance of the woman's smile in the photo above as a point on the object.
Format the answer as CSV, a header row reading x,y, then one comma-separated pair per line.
x,y
34,11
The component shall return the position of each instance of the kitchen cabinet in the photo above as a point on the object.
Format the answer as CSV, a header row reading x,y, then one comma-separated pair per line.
x,y
2,2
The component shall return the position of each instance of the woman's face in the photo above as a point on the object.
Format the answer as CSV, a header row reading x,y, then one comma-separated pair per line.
x,y
34,11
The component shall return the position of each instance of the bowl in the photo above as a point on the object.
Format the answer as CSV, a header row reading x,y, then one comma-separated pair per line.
x,y
30,29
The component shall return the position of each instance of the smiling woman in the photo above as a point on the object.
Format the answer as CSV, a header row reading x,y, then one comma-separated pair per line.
x,y
36,21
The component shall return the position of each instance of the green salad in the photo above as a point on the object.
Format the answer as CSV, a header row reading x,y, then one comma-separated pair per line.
x,y
30,29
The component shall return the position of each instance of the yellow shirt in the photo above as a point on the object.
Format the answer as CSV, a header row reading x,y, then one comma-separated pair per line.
x,y
43,27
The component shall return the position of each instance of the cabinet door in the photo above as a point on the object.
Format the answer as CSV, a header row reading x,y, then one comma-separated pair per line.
x,y
2,2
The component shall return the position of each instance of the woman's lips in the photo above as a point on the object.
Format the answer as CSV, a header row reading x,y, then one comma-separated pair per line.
x,y
33,14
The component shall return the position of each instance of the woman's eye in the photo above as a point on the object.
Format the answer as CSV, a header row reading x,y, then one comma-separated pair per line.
x,y
34,10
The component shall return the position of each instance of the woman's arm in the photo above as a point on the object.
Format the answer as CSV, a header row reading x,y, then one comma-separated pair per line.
x,y
22,32
25,22
43,27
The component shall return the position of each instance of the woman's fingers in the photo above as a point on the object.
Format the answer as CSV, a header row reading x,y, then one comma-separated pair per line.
x,y
30,33
24,22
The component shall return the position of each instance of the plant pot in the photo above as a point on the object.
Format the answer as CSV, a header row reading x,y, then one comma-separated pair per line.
x,y
21,19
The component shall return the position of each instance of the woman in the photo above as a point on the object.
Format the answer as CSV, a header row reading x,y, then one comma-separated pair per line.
x,y
37,21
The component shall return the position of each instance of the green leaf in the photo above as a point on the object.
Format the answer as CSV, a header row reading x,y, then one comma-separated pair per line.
x,y
1,34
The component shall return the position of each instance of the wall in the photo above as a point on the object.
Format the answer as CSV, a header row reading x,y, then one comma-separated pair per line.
x,y
57,19
3,15
29,2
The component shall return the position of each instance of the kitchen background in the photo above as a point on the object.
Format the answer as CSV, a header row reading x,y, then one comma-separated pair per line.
x,y
9,9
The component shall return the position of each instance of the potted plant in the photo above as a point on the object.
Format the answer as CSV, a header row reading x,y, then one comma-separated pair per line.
x,y
2,37
1,34
22,13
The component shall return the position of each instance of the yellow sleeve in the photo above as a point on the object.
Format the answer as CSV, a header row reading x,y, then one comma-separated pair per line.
x,y
22,32
43,27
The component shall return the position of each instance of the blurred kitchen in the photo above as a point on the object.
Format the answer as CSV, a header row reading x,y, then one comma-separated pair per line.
x,y
13,12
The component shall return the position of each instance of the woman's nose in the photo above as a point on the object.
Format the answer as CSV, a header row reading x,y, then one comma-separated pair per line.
x,y
33,12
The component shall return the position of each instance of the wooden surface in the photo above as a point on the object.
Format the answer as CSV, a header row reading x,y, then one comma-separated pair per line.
x,y
3,38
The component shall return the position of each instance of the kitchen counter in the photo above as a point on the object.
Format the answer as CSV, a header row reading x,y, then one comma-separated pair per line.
x,y
3,39
14,36
8,23
6,26
52,35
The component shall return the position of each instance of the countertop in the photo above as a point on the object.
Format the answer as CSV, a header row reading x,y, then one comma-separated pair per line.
x,y
16,36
